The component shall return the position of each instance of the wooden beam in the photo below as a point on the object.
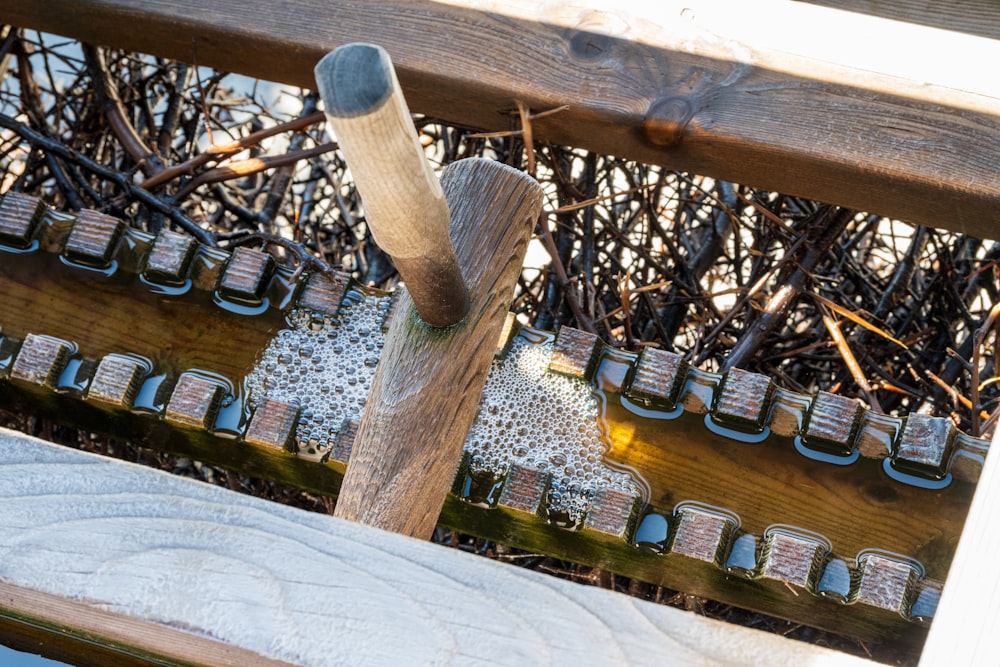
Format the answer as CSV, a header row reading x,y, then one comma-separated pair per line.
x,y
904,125
963,631
425,393
975,17
155,564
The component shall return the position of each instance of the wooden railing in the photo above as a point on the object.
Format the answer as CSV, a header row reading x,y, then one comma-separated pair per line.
x,y
751,94
884,116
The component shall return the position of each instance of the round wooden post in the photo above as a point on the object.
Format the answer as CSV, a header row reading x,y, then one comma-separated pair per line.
x,y
404,204
428,382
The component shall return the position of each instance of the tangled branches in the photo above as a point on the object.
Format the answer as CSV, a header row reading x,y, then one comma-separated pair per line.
x,y
814,295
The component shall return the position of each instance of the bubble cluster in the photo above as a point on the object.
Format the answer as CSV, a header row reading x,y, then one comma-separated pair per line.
x,y
547,421
325,365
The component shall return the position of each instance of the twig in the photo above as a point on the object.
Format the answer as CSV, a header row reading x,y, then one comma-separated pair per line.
x,y
214,153
958,398
303,257
111,105
980,337
251,166
118,178
833,327
572,299
821,231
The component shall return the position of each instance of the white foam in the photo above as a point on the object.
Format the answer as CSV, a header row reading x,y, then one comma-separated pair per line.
x,y
547,421
323,364
526,414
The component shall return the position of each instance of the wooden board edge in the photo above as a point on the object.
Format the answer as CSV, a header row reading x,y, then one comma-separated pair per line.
x,y
637,83
81,631
963,631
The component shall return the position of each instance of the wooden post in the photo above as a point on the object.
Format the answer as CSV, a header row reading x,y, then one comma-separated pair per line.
x,y
425,392
427,386
404,204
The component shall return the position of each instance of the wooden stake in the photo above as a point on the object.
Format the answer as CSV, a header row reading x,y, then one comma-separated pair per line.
x,y
404,204
427,386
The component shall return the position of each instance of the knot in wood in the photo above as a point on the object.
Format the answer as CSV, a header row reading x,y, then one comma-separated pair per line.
x,y
666,121
589,46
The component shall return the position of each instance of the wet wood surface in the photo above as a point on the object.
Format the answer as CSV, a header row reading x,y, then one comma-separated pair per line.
x,y
964,631
905,125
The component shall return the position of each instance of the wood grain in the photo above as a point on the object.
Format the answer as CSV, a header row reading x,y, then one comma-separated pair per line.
x,y
404,204
905,124
975,17
165,567
426,389
964,628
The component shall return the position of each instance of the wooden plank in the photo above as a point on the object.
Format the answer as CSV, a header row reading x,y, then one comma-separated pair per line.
x,y
171,568
426,388
905,125
975,17
964,627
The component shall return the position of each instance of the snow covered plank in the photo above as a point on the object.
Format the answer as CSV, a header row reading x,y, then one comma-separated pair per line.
x,y
165,566
904,123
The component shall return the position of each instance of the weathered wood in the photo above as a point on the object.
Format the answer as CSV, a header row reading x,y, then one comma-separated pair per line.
x,y
657,377
323,293
832,422
906,126
19,216
964,630
792,558
575,353
273,424
40,360
925,444
170,257
194,402
427,385
612,513
743,400
165,568
93,238
404,204
974,17
246,274
702,534
524,490
116,381
887,583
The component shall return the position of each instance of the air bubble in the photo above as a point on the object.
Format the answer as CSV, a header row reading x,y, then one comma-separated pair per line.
x,y
546,421
314,348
